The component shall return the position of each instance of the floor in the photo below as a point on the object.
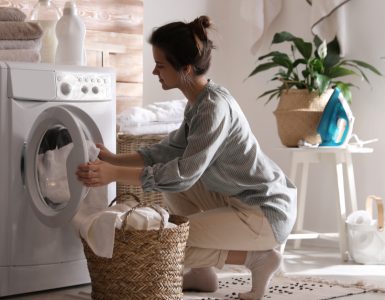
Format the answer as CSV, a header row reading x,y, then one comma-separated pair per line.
x,y
309,260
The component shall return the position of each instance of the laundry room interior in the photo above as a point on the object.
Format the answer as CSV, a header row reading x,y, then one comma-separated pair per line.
x,y
112,96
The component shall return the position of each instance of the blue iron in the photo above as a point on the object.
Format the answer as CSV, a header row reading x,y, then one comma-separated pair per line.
x,y
336,124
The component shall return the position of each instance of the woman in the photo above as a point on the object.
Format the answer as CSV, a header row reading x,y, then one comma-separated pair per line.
x,y
240,204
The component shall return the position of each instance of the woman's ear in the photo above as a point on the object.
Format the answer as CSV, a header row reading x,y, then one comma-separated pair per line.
x,y
188,70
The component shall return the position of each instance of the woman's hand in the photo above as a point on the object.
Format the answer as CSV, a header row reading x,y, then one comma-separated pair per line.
x,y
96,173
105,154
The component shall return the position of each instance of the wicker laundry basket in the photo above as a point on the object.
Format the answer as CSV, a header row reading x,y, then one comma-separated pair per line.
x,y
146,264
129,144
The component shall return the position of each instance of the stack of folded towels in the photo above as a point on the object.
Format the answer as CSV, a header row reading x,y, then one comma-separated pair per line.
x,y
157,118
19,40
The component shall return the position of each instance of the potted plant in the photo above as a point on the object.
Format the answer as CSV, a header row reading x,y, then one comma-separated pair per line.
x,y
305,78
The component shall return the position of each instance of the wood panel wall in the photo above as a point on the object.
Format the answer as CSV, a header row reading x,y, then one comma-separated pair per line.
x,y
114,38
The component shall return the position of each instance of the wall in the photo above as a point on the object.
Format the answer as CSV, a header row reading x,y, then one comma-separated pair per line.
x,y
233,61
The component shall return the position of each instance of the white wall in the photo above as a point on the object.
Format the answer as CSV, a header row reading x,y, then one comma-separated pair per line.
x,y
233,61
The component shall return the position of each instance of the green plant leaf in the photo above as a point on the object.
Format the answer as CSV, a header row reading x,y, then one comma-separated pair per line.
x,y
271,54
303,47
322,82
283,36
263,67
345,90
283,60
333,54
339,71
367,66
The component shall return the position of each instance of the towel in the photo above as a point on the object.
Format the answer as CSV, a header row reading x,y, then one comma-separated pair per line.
x,y
157,118
259,14
20,44
149,128
328,20
167,112
25,55
20,30
96,223
11,14
52,172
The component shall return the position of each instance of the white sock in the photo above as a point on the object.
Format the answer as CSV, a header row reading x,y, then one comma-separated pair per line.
x,y
262,265
200,280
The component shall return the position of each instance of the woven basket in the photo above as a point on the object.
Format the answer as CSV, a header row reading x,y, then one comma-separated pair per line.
x,y
298,114
130,144
146,264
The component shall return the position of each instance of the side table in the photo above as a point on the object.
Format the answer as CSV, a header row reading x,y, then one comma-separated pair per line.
x,y
301,158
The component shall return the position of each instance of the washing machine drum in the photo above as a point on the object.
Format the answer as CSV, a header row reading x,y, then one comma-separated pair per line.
x,y
58,142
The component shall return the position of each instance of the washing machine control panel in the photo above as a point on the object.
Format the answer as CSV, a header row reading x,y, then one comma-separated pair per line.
x,y
83,86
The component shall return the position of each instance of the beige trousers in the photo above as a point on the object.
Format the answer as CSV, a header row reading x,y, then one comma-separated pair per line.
x,y
218,224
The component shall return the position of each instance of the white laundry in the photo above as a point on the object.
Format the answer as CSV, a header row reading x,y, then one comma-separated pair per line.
x,y
328,19
149,128
359,217
96,222
52,172
259,14
156,118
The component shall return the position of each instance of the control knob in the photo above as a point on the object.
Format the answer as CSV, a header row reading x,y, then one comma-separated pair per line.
x,y
65,88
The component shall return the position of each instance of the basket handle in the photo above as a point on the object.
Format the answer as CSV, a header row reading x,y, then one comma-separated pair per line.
x,y
380,210
140,204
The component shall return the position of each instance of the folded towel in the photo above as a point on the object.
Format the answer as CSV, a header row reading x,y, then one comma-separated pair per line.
x,y
168,111
96,223
11,14
20,30
149,128
25,55
20,44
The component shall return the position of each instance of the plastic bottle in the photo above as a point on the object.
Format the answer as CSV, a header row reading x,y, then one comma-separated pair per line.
x,y
46,14
70,32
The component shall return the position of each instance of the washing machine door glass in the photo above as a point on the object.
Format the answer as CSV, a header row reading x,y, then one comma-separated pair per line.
x,y
58,143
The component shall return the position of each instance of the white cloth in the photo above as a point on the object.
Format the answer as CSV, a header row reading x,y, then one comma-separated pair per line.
x,y
52,172
149,128
156,118
167,112
96,222
259,14
328,19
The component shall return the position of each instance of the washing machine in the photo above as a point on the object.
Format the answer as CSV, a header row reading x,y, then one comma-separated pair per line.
x,y
45,107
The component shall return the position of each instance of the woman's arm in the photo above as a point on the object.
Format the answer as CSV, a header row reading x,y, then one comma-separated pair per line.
x,y
122,159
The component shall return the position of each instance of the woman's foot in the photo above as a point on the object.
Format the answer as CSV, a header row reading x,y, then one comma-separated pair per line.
x,y
263,265
200,280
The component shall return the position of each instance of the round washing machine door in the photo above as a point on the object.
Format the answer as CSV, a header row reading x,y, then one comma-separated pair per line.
x,y
57,144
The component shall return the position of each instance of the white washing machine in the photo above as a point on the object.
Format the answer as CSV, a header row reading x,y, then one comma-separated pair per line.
x,y
43,107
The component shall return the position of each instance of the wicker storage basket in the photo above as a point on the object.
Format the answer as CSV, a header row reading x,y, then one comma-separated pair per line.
x,y
129,144
146,264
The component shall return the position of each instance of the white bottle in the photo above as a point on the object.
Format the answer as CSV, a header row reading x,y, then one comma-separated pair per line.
x,y
70,32
46,14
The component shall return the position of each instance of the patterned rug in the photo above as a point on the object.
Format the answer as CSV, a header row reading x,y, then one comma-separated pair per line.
x,y
285,288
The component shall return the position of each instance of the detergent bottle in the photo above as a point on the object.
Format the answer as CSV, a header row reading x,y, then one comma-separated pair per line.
x,y
70,32
46,14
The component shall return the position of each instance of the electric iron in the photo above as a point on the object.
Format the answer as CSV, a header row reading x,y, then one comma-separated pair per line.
x,y
336,124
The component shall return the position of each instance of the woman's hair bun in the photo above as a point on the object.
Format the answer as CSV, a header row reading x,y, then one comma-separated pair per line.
x,y
204,21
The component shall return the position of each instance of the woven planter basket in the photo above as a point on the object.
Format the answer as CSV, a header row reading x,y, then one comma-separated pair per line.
x,y
298,114
130,144
146,264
